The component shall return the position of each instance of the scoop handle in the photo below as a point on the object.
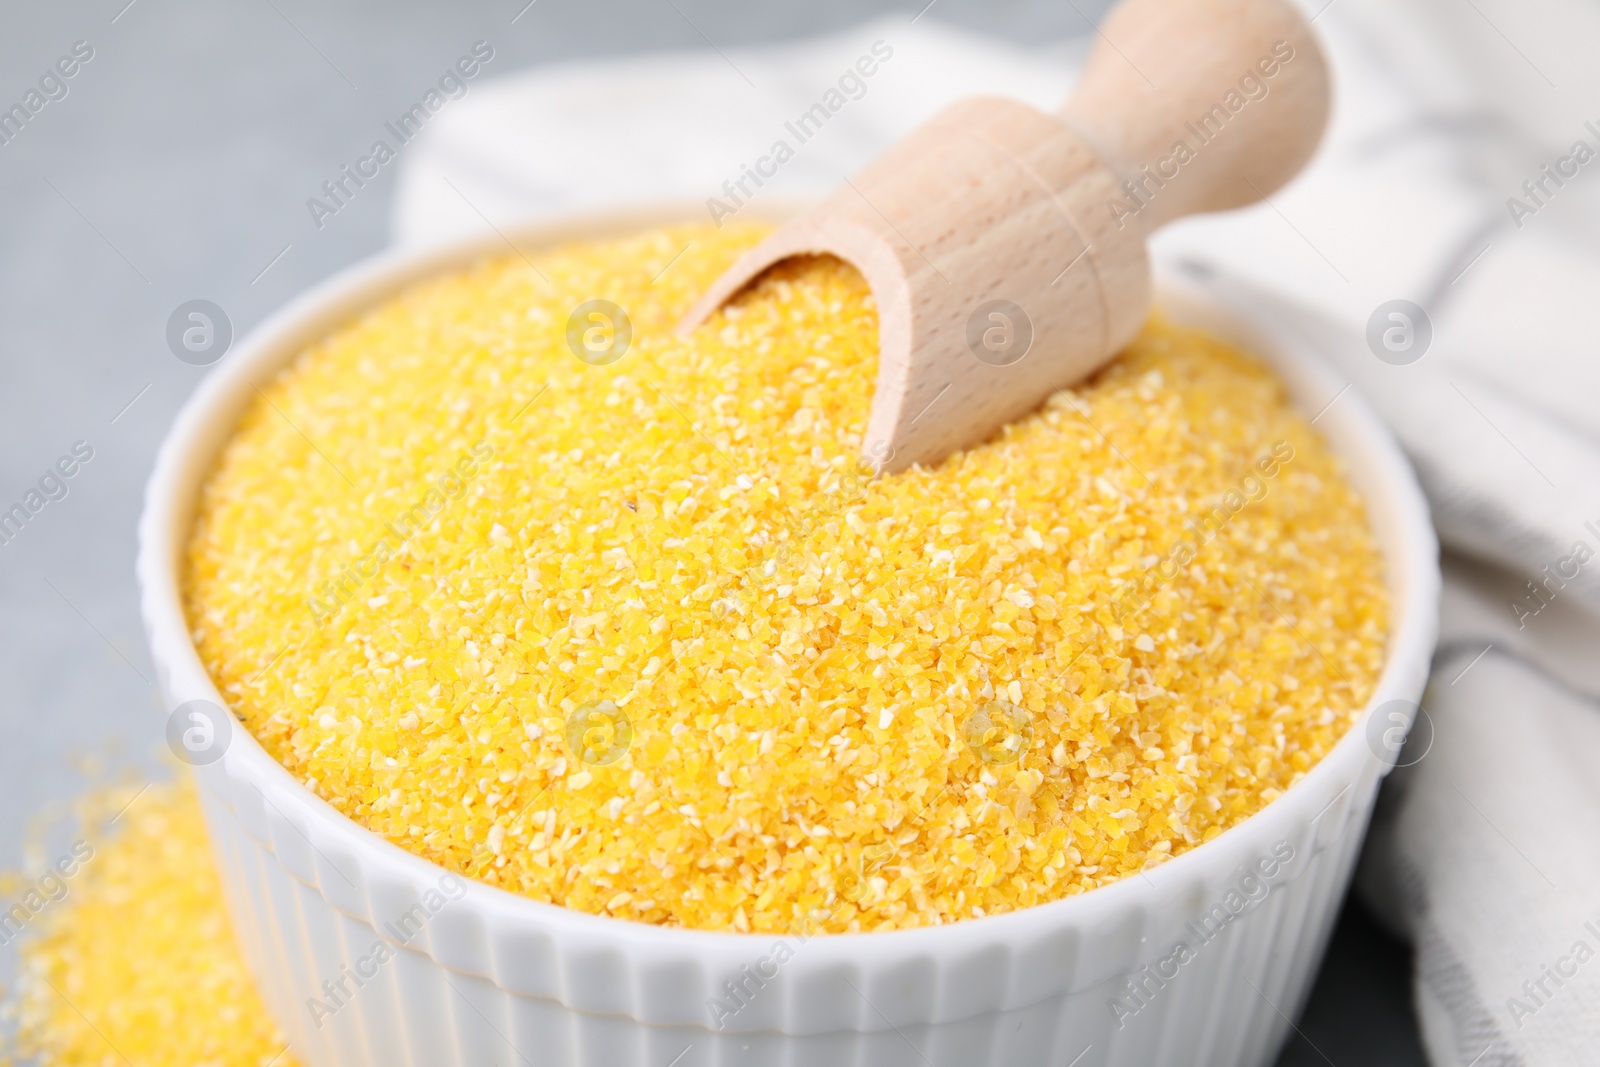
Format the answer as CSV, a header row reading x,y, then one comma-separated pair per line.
x,y
1201,105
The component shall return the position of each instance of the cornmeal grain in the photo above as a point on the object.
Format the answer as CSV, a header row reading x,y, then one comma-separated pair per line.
x,y
639,639
137,964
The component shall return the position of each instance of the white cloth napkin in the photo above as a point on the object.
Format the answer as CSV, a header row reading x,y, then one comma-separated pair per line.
x,y
1486,842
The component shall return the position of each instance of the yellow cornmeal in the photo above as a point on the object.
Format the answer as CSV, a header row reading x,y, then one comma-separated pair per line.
x,y
136,964
440,544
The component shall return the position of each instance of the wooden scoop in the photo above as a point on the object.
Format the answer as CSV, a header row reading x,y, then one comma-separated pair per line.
x,y
1006,247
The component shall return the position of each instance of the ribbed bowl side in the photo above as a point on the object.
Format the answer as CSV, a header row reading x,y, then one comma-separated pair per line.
x,y
1227,1006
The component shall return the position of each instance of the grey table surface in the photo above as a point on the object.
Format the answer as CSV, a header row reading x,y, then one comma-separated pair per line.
x,y
176,167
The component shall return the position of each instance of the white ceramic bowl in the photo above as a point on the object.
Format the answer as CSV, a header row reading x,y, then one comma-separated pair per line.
x,y
486,977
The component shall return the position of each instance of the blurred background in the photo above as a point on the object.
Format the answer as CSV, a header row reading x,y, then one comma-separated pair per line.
x,y
176,167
